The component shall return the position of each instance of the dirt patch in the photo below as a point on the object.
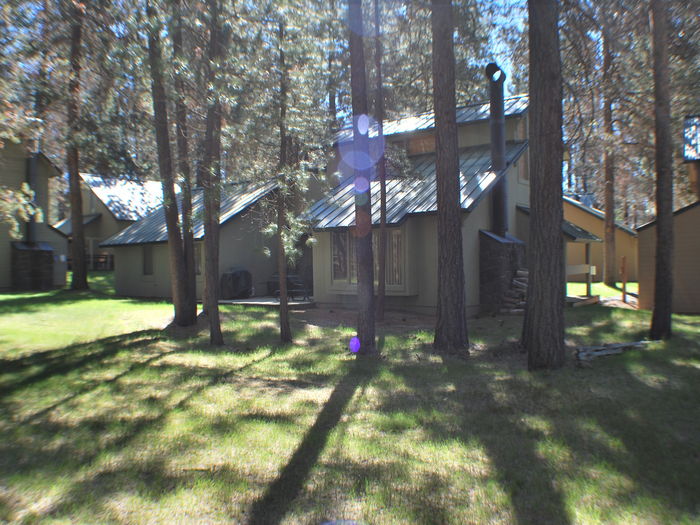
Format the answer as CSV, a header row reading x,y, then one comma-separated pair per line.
x,y
614,302
394,322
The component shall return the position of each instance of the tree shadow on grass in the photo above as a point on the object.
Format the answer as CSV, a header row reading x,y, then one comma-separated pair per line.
x,y
466,390
37,301
272,506
58,445
22,372
629,424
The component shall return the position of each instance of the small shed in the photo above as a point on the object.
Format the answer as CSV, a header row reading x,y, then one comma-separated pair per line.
x,y
593,220
686,254
575,238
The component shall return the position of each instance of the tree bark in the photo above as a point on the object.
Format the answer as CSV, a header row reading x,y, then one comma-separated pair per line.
x,y
332,92
165,166
663,281
610,269
363,205
211,180
183,157
451,327
285,330
78,262
381,164
543,329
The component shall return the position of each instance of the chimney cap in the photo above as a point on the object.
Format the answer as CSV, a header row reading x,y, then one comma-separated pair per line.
x,y
495,73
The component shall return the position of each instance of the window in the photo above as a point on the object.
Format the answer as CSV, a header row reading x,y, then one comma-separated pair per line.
x,y
198,258
421,144
147,259
345,260
339,242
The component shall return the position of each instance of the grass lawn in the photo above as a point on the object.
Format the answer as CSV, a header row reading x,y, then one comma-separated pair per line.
x,y
123,423
601,289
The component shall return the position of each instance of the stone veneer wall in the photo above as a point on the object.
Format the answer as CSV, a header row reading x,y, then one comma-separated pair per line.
x,y
499,259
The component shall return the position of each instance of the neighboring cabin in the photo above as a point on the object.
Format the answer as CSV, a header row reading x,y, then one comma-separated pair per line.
x,y
141,264
111,204
15,162
411,275
593,221
686,254
578,244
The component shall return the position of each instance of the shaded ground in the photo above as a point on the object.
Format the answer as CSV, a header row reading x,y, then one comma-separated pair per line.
x,y
140,425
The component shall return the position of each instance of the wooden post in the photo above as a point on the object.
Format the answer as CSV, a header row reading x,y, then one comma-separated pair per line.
x,y
623,273
589,277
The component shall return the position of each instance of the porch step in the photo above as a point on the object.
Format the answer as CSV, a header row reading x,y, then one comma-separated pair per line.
x,y
519,283
514,299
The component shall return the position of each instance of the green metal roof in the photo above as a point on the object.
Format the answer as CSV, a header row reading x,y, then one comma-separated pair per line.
x,y
571,231
414,195
235,198
66,228
513,106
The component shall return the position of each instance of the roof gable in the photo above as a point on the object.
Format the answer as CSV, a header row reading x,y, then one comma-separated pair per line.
x,y
597,213
570,230
127,200
679,211
235,199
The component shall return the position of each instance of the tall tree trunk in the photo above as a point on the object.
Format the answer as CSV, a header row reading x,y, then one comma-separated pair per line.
x,y
332,94
41,94
571,178
543,329
165,166
363,204
285,330
451,326
183,157
381,163
78,262
211,179
663,281
610,269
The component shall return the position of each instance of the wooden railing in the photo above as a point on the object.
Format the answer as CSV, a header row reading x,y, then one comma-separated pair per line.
x,y
100,261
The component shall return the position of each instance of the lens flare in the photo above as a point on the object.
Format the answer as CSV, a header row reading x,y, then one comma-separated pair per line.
x,y
361,184
352,157
363,124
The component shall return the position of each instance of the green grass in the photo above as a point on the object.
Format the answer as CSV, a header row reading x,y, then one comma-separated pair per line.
x,y
156,426
100,281
601,289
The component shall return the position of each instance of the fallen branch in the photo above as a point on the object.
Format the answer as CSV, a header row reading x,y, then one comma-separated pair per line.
x,y
586,353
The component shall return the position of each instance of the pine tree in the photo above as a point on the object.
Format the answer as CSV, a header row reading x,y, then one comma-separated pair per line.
x,y
76,12
451,326
165,163
189,303
381,162
363,205
211,174
543,328
663,279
